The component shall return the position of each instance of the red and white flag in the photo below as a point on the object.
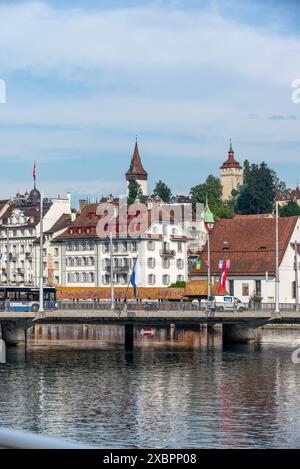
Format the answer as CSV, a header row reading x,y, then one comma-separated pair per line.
x,y
222,283
34,172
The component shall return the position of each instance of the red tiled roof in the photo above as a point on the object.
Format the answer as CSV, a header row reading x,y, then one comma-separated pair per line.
x,y
249,243
136,170
86,223
31,211
231,162
64,221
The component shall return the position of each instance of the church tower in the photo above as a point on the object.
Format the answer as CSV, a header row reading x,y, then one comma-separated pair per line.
x,y
136,172
231,175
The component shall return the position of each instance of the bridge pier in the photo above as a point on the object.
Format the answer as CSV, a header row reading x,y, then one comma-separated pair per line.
x,y
13,335
2,348
240,333
129,336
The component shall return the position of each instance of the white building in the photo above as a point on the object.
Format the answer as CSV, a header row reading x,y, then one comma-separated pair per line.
x,y
19,231
161,251
248,242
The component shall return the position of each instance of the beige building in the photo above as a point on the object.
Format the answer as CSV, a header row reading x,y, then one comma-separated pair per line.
x,y
231,175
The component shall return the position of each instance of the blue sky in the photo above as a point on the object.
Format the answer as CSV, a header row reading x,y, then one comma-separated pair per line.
x,y
85,77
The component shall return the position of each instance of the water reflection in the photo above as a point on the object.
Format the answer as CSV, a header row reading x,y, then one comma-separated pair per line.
x,y
185,390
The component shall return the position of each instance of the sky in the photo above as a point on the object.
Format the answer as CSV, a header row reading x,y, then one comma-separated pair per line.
x,y
84,79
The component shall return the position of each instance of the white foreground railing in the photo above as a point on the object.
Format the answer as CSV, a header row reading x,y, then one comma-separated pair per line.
x,y
17,439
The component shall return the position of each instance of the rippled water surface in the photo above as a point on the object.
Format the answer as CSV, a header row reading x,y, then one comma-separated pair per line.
x,y
175,391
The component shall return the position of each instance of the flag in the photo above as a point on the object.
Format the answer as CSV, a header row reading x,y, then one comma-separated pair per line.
x,y
34,172
2,256
223,278
136,277
221,263
228,263
198,264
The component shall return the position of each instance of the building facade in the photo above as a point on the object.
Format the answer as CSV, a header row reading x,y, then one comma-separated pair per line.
x,y
248,242
161,251
19,237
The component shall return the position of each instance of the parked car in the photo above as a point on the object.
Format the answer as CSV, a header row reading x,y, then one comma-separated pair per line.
x,y
227,303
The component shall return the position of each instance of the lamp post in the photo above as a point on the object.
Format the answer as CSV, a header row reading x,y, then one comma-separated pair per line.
x,y
277,261
112,295
209,225
41,294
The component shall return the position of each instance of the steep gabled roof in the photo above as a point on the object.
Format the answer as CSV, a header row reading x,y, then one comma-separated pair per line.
x,y
249,243
136,169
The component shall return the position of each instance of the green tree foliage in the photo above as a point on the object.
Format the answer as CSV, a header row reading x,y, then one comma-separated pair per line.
x,y
163,191
257,194
212,189
134,190
281,191
178,284
290,209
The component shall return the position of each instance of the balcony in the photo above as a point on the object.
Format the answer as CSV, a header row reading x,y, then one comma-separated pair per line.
x,y
167,253
118,268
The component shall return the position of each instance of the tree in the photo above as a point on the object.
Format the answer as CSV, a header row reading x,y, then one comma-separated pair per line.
x,y
257,194
134,190
212,189
290,209
163,191
281,191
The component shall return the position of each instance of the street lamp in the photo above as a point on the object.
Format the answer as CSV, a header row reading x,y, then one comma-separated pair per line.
x,y
209,225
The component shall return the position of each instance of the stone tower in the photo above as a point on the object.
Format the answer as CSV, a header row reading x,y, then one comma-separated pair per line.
x,y
231,175
136,172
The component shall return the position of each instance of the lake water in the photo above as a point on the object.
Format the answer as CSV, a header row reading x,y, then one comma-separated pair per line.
x,y
173,391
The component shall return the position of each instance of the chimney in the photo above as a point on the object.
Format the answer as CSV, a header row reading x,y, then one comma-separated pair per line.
x,y
82,204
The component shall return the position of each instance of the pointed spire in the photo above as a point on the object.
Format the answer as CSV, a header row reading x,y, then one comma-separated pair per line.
x,y
136,169
231,162
208,215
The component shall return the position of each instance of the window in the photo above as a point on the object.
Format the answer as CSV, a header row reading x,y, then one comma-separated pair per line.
x,y
179,247
151,262
245,289
83,277
180,278
258,287
151,246
92,277
83,261
179,263
71,261
77,277
166,279
56,265
56,252
166,263
231,287
151,279
77,263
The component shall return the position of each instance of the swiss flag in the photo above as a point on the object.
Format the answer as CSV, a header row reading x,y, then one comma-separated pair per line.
x,y
34,171
222,283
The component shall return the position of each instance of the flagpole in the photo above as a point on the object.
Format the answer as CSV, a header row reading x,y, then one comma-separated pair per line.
x,y
208,267
277,263
41,294
112,293
8,256
125,297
